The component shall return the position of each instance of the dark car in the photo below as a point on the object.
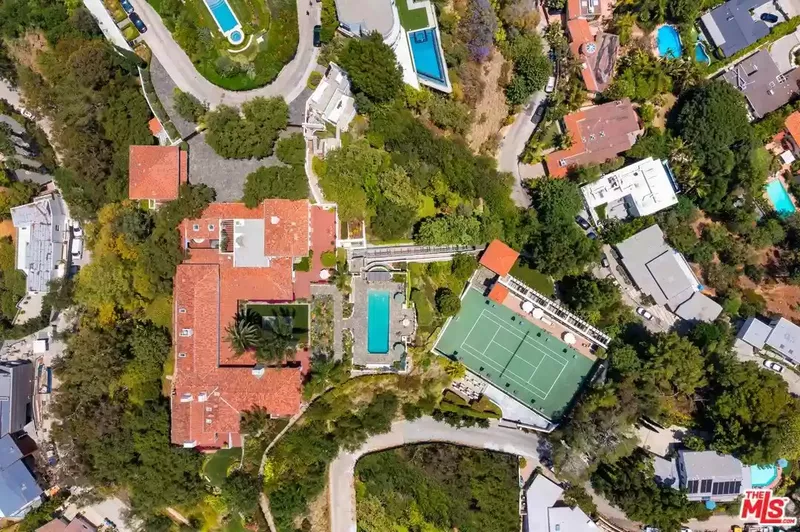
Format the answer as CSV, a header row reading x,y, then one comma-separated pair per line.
x,y
317,39
138,22
580,220
126,5
769,17
538,114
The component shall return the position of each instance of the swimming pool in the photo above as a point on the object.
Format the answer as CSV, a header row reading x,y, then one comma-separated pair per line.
x,y
669,42
226,20
761,476
700,54
378,322
780,198
425,50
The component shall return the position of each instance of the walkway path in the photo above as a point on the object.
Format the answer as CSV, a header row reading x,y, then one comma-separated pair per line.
x,y
341,482
406,253
290,82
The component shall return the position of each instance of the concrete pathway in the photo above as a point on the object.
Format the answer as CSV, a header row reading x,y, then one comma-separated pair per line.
x,y
341,482
513,144
338,315
313,179
290,82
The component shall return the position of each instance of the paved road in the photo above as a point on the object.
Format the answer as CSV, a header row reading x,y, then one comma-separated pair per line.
x,y
290,82
341,485
514,143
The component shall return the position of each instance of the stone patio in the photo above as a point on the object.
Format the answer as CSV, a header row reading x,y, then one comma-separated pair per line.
x,y
397,331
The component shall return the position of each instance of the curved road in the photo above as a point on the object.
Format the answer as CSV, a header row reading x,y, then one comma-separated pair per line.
x,y
290,82
342,470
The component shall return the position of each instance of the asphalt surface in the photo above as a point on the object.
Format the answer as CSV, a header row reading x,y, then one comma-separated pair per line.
x,y
341,482
514,143
290,82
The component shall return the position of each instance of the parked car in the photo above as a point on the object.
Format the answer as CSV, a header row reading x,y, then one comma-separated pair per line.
x,y
126,5
27,114
643,312
76,248
317,36
551,85
580,220
138,22
613,279
538,114
769,17
774,366
592,235
604,261
77,232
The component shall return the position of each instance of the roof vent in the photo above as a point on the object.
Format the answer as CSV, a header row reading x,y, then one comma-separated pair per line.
x,y
186,398
258,371
202,397
274,220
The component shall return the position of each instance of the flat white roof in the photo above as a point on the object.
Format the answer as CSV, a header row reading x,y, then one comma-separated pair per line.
x,y
645,184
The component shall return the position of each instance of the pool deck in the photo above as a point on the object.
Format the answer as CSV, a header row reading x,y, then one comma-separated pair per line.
x,y
358,322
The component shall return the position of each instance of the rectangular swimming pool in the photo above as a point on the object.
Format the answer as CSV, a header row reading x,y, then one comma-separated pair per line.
x,y
378,322
226,20
425,50
780,198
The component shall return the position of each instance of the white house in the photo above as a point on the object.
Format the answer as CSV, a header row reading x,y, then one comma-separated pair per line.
x,y
547,512
331,104
781,336
642,188
42,239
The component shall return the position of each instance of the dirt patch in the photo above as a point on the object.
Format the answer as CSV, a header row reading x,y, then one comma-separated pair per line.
x,y
783,299
26,50
491,110
660,120
7,229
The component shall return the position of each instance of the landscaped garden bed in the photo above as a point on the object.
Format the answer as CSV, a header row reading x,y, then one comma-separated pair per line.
x,y
247,66
322,324
297,313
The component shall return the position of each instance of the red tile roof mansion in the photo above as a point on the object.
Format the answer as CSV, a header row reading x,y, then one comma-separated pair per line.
x,y
236,254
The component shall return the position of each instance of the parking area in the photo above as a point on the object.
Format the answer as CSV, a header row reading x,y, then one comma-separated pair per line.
x,y
788,373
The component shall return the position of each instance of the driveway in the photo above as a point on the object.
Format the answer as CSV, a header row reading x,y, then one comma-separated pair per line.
x,y
512,146
341,481
791,378
290,82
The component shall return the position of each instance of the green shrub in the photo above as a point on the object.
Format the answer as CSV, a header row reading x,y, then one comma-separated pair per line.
x,y
453,398
313,80
328,259
303,266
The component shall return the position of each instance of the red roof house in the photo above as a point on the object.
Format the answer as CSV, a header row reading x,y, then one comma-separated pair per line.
x,y
155,173
235,254
793,128
598,134
587,9
499,258
597,54
498,293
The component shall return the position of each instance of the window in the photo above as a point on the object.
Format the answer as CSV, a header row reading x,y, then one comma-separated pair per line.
x,y
57,228
196,227
186,332
210,227
705,485
692,486
717,489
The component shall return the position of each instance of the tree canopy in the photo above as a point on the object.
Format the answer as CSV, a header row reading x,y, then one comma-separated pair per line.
x,y
251,134
372,67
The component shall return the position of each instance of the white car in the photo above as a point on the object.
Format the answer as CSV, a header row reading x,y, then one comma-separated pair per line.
x,y
551,85
643,312
77,232
77,249
27,114
774,366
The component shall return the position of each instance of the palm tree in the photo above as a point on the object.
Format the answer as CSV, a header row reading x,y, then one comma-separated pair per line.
x,y
278,342
244,332
341,276
253,421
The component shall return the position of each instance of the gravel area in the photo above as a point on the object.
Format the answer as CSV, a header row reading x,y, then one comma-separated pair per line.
x,y
165,88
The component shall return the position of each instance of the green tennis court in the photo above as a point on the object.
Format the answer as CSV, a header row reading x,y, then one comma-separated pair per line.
x,y
523,360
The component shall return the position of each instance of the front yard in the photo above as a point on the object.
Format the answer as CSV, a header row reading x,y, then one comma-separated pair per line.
x,y
217,465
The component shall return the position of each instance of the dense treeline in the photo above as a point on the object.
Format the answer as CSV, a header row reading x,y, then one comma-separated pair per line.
x,y
437,487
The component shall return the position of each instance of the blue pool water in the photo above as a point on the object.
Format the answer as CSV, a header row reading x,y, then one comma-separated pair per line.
x,y
669,42
761,476
700,54
226,19
425,50
780,198
378,322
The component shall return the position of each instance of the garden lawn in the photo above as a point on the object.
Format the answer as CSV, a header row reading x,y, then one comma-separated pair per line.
x,y
412,19
533,278
298,312
216,468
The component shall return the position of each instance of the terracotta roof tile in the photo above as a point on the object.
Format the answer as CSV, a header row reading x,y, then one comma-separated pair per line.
x,y
154,173
286,228
498,293
499,258
793,126
155,126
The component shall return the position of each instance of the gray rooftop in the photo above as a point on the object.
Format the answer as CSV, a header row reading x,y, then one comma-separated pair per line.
x,y
362,18
732,28
248,244
15,126
41,230
662,273
18,488
699,307
754,332
332,101
16,392
785,339
710,464
666,472
760,80
540,495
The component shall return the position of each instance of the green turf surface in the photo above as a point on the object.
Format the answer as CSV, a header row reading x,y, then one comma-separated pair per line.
x,y
533,278
412,19
216,468
526,362
298,312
